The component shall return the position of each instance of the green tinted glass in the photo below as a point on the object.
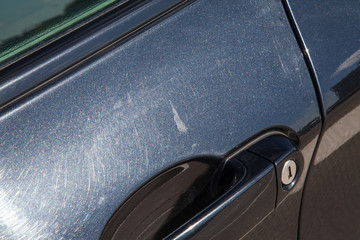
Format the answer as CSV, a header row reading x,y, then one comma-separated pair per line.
x,y
25,24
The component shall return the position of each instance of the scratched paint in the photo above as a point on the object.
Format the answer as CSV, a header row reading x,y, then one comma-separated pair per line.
x,y
200,82
179,123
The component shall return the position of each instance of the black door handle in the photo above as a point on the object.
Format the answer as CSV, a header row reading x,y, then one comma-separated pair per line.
x,y
245,204
194,200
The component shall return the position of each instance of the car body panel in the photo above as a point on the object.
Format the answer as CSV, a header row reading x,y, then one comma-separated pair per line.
x,y
37,69
201,81
330,205
331,33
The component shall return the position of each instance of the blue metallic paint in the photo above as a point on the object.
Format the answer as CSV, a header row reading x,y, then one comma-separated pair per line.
x,y
331,32
74,47
200,82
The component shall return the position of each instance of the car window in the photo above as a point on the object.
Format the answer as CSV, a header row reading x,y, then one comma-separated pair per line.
x,y
27,24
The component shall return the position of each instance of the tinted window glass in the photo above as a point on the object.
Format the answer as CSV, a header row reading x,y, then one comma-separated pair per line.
x,y
25,24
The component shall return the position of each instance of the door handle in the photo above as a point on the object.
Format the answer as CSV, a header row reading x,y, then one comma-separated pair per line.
x,y
194,200
246,203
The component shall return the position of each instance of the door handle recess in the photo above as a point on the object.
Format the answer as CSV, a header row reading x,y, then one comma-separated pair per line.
x,y
245,204
193,201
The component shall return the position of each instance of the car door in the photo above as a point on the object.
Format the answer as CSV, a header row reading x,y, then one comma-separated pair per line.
x,y
88,120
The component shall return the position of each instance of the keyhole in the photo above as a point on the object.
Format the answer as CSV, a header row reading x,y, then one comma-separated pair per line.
x,y
290,175
288,172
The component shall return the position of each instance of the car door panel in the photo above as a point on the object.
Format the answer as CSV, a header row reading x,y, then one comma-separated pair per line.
x,y
200,82
131,17
194,200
